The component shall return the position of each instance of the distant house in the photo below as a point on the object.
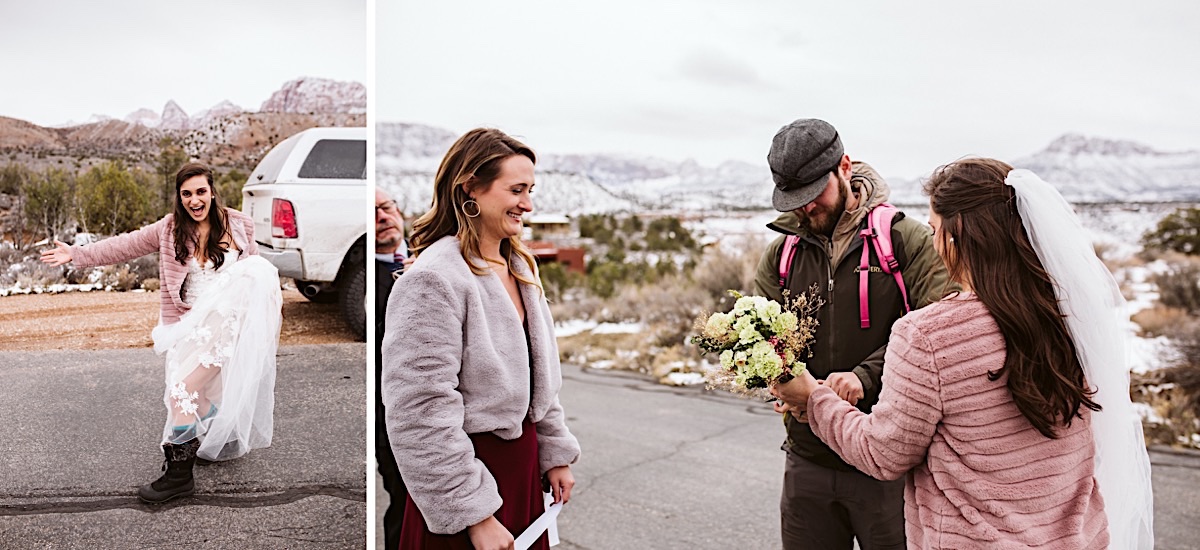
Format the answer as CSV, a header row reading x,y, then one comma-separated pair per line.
x,y
549,226
571,257
549,238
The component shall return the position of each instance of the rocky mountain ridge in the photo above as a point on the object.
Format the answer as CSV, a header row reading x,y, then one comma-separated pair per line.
x,y
224,134
1085,169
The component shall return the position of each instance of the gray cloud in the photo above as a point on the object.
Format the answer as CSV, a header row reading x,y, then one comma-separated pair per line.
x,y
717,68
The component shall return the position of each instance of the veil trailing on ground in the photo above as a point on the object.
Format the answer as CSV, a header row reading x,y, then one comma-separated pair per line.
x,y
1092,302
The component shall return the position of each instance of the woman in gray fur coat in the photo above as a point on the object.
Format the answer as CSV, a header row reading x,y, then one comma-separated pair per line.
x,y
470,363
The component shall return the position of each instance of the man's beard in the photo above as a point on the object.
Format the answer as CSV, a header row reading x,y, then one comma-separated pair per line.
x,y
388,242
822,221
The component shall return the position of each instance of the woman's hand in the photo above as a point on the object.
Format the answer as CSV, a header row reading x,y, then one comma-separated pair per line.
x,y
795,392
59,255
560,481
489,534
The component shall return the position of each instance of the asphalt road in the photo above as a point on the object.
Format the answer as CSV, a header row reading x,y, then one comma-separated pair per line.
x,y
80,432
667,468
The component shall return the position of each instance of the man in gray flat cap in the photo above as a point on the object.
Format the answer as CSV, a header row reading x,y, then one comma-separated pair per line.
x,y
825,199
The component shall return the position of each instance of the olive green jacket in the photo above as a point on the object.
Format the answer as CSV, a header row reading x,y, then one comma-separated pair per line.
x,y
841,345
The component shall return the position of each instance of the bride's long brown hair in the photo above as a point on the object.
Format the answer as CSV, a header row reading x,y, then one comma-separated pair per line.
x,y
473,162
986,245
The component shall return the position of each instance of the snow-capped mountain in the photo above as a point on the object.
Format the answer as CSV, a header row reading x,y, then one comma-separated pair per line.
x,y
1098,170
1101,170
174,117
1085,169
94,119
145,117
411,147
407,157
214,113
317,95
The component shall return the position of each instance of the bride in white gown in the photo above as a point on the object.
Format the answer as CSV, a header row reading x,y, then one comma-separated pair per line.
x,y
219,327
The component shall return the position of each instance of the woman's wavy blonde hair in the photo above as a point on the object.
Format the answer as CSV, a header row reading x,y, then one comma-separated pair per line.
x,y
471,164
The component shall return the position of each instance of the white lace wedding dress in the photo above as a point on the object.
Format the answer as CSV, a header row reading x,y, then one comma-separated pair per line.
x,y
220,374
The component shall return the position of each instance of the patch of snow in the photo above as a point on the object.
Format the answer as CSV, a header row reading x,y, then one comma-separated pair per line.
x,y
1147,413
57,288
1150,354
619,328
684,378
571,328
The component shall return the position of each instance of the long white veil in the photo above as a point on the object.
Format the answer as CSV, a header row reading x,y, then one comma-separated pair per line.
x,y
1092,302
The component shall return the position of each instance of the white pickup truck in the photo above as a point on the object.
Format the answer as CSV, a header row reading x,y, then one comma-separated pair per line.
x,y
307,197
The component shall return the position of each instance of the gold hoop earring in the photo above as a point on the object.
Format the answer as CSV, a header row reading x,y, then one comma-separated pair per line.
x,y
474,205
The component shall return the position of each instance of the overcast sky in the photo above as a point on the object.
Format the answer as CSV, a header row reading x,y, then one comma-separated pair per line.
x,y
68,60
909,85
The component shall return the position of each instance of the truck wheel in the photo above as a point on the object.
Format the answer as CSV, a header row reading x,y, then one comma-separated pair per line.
x,y
316,292
352,296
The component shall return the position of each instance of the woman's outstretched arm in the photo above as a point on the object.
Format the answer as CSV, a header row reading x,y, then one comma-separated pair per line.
x,y
113,250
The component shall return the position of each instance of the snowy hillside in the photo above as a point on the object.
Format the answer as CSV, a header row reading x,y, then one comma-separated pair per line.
x,y
1096,170
408,155
1086,170
317,95
1099,170
555,192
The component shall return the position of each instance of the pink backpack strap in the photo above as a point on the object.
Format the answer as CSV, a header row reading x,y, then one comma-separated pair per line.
x,y
879,235
785,258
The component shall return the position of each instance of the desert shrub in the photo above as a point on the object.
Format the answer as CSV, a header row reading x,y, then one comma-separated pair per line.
x,y
720,271
556,280
1179,285
1179,231
152,284
1173,419
9,254
669,307
119,278
577,304
145,267
602,279
27,271
1159,320
1172,394
1185,375
668,234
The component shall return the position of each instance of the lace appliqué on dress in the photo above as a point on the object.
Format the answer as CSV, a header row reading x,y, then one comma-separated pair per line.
x,y
184,400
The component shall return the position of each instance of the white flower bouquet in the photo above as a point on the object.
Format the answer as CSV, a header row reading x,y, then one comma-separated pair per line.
x,y
760,342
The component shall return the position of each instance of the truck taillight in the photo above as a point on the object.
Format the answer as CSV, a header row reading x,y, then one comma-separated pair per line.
x,y
283,219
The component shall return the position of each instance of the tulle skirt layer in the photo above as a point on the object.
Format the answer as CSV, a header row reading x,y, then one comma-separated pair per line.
x,y
220,373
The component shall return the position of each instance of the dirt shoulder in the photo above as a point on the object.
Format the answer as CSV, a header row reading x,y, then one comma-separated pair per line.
x,y
117,320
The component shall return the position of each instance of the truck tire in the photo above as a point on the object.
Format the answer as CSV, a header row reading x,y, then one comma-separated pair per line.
x,y
352,298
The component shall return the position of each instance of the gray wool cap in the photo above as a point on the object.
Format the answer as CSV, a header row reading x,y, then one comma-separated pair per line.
x,y
802,155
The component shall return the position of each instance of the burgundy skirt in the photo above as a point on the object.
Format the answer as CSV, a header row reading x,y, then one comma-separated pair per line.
x,y
514,464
